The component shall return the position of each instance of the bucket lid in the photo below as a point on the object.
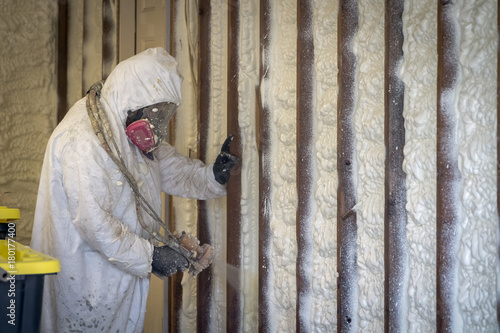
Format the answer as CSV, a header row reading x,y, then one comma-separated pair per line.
x,y
9,214
18,259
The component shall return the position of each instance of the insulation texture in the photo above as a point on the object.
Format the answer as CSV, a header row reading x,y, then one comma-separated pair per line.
x,y
369,127
418,72
28,101
476,105
324,277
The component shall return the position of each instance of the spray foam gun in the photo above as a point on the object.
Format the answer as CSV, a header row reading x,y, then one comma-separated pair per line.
x,y
199,257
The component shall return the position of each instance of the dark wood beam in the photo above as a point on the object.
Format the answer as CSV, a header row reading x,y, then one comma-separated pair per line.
x,y
204,279
265,182
305,157
448,174
62,59
174,283
109,37
395,246
346,217
234,310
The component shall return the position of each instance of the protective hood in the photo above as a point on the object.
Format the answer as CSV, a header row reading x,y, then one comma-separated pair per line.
x,y
147,78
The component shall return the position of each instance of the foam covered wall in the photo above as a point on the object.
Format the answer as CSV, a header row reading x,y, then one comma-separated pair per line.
x,y
28,101
267,38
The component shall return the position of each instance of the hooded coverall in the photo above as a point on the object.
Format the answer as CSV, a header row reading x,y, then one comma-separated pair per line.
x,y
86,211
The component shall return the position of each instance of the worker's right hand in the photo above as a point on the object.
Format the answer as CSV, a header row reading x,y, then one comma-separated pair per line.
x,y
167,261
224,162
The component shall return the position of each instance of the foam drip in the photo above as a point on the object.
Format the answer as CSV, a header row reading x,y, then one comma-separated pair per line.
x,y
324,275
186,142
248,81
282,103
475,101
418,72
216,135
369,127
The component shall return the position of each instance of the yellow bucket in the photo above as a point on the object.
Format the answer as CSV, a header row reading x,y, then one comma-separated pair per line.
x,y
18,259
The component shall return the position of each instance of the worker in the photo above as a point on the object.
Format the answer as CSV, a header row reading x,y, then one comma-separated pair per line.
x,y
98,176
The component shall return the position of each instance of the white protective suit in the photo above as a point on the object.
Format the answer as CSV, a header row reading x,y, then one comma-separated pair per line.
x,y
86,212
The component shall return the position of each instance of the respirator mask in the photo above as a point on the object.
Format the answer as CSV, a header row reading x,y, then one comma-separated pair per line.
x,y
147,127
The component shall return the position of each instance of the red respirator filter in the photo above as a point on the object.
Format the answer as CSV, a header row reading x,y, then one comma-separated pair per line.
x,y
141,134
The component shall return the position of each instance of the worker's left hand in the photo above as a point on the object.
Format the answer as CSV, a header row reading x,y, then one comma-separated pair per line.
x,y
224,162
